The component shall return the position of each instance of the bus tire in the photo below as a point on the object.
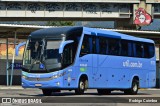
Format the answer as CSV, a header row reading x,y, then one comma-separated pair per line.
x,y
81,86
134,88
47,92
103,91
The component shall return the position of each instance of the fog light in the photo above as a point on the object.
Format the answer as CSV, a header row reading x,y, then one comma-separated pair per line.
x,y
58,83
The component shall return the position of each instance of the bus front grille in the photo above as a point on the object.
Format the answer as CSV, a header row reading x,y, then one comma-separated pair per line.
x,y
39,79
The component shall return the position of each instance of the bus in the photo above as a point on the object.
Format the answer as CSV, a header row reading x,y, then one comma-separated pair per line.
x,y
81,58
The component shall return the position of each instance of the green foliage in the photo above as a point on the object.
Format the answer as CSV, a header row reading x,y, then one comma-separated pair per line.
x,y
60,23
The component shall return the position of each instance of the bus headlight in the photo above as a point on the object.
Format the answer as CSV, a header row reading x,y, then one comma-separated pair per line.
x,y
58,75
55,76
24,77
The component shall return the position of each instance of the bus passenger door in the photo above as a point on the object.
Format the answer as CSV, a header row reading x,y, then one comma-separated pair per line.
x,y
85,58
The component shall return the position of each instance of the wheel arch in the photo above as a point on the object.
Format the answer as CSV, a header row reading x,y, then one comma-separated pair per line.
x,y
85,76
135,77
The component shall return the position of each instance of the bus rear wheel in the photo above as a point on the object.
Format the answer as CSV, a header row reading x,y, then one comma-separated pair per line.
x,y
134,88
81,86
103,91
47,92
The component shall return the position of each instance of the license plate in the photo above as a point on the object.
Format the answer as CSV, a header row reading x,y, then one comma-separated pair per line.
x,y
38,85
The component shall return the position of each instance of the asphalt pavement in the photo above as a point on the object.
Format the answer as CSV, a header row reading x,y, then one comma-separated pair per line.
x,y
20,96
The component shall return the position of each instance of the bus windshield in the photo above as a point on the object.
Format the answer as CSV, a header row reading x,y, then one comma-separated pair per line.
x,y
42,54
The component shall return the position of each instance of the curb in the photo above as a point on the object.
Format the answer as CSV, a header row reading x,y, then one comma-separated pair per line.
x,y
150,89
11,87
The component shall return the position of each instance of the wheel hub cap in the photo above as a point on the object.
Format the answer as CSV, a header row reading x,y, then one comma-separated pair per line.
x,y
135,88
81,85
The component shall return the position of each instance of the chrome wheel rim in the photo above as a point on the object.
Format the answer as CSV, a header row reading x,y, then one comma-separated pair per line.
x,y
135,87
81,85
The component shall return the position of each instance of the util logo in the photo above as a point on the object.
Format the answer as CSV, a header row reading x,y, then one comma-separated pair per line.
x,y
142,17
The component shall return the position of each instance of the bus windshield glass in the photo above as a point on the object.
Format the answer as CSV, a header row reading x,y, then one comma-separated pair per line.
x,y
42,54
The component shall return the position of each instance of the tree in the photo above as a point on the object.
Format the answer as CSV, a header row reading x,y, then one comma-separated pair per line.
x,y
60,23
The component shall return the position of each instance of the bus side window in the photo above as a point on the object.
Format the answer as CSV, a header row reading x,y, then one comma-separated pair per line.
x,y
93,45
130,49
146,51
151,50
86,47
124,48
113,47
103,45
68,55
139,49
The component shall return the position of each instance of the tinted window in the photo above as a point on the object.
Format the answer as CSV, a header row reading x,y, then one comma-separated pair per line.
x,y
139,49
113,47
86,47
103,45
124,48
94,45
151,50
146,50
68,55
130,47
117,47
52,49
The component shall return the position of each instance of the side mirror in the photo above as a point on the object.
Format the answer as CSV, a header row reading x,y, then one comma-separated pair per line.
x,y
62,45
18,47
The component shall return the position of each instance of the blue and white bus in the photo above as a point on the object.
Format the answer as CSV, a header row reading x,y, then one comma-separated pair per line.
x,y
80,58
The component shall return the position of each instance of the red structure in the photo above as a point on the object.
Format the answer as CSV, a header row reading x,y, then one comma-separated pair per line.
x,y
142,17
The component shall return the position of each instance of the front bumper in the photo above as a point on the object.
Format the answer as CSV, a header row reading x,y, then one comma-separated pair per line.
x,y
54,83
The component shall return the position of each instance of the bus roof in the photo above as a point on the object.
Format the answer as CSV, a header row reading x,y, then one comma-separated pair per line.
x,y
56,32
108,33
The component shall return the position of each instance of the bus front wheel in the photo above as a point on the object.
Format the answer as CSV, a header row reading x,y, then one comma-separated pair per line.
x,y
81,86
134,88
47,92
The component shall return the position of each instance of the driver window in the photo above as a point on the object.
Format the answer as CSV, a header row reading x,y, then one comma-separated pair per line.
x,y
86,47
68,55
